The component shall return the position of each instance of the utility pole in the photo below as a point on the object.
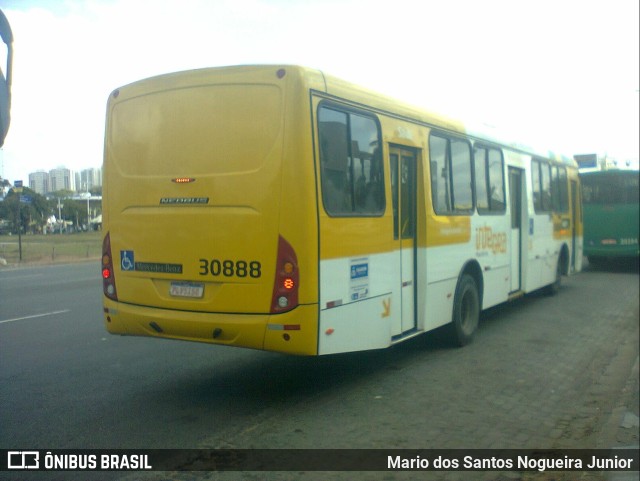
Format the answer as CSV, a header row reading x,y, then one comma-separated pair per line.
x,y
60,214
17,188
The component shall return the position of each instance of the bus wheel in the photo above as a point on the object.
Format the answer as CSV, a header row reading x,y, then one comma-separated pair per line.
x,y
466,311
553,288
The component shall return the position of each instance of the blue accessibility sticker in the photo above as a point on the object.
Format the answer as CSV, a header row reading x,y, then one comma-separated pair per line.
x,y
127,262
359,271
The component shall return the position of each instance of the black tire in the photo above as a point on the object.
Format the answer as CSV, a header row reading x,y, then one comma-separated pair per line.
x,y
466,311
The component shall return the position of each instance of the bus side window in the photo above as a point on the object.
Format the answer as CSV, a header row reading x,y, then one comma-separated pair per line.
x,y
546,193
535,184
367,164
489,180
451,175
496,181
545,176
631,190
461,174
334,156
481,178
555,189
440,186
351,165
564,189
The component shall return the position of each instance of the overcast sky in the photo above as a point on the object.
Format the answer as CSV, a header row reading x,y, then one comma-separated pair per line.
x,y
559,74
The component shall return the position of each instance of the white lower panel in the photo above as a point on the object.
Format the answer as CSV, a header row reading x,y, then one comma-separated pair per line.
x,y
497,285
356,326
439,304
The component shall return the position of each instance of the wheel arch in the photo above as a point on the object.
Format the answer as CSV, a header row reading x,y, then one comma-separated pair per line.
x,y
472,267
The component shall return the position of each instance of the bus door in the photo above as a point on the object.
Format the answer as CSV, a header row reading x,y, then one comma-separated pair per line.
x,y
403,185
516,203
574,223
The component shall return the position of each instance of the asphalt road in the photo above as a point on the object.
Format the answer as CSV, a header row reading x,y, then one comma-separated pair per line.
x,y
66,383
543,372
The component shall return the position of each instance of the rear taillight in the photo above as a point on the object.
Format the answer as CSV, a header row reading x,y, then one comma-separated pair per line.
x,y
287,279
108,277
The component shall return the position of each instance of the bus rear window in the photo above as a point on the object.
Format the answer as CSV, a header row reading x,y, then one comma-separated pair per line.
x,y
211,129
610,189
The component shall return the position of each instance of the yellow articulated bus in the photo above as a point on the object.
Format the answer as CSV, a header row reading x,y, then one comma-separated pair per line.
x,y
278,208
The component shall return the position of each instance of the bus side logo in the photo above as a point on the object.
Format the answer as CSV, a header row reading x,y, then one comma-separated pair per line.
x,y
386,305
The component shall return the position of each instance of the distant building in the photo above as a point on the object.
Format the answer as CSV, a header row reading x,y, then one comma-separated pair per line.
x,y
88,179
65,179
61,179
39,182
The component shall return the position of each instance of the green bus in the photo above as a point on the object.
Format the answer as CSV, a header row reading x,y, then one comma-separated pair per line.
x,y
610,199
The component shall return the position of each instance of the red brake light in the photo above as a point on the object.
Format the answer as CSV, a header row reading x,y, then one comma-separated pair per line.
x,y
108,278
287,277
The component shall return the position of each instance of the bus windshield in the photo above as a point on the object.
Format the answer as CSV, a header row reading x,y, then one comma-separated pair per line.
x,y
611,189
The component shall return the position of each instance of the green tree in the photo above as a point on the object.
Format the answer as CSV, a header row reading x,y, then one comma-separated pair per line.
x,y
75,211
69,210
34,210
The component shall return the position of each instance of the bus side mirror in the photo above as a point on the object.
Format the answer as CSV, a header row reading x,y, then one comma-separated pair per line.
x,y
5,82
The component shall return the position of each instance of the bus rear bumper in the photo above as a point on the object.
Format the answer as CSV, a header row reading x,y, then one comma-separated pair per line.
x,y
618,251
293,332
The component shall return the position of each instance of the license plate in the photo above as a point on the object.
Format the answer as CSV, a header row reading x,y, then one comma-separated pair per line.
x,y
187,289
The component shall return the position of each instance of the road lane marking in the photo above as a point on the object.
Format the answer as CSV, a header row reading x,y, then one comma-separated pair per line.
x,y
26,276
52,313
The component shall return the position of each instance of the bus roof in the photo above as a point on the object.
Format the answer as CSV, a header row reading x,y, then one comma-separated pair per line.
x,y
318,80
370,98
610,173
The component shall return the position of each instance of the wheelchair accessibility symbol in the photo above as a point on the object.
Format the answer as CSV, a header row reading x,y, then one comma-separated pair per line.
x,y
126,261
